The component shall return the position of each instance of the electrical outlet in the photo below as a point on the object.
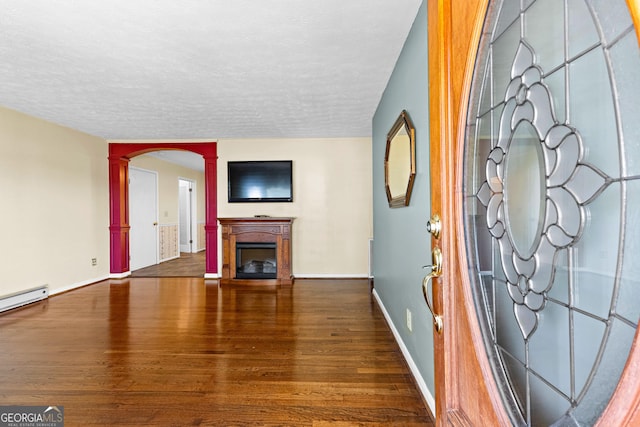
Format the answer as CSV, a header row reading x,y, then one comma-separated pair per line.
x,y
94,261
409,323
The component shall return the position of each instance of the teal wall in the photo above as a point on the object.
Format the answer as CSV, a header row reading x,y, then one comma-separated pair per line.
x,y
401,241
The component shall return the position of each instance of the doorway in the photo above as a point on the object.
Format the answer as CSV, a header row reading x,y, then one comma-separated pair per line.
x,y
119,155
178,252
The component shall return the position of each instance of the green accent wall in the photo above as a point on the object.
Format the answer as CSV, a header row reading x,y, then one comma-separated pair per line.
x,y
401,241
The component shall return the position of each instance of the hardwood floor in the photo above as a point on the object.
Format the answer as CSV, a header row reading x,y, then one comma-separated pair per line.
x,y
184,351
187,265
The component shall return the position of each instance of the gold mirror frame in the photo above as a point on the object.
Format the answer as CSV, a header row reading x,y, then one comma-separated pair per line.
x,y
400,161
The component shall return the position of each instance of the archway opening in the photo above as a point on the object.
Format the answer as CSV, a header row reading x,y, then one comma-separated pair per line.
x,y
119,156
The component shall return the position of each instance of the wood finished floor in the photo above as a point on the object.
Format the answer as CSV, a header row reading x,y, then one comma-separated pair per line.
x,y
186,352
187,265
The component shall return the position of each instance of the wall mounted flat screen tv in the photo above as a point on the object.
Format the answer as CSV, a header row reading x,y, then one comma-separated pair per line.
x,y
260,181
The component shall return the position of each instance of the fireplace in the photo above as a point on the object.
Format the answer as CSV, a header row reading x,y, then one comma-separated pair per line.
x,y
256,251
256,260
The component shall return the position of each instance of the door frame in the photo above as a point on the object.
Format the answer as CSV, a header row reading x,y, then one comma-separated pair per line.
x,y
193,215
466,392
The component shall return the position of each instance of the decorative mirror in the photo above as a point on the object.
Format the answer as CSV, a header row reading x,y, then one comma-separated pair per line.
x,y
400,161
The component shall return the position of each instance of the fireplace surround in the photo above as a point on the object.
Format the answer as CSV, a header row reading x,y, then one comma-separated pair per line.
x,y
256,251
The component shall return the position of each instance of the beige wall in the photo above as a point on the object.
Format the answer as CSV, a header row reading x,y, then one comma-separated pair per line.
x,y
55,202
54,193
332,200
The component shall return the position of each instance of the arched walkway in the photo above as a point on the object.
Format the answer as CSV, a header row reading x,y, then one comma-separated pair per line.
x,y
119,156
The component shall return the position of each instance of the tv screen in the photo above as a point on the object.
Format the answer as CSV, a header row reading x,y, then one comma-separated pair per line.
x,y
260,181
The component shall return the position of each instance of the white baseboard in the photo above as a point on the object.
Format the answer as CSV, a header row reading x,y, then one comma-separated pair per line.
x,y
79,285
119,275
306,276
422,385
168,259
331,276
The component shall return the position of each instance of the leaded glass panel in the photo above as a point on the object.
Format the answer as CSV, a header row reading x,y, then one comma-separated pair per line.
x,y
552,184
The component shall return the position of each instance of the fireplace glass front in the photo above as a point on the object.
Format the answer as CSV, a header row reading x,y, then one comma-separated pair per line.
x,y
256,261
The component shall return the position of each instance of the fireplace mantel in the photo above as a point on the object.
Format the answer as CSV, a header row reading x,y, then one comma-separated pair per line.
x,y
258,229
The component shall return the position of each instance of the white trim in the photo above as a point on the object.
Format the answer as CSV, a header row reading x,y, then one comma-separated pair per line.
x,y
193,210
306,276
85,283
168,259
331,276
370,258
117,276
428,397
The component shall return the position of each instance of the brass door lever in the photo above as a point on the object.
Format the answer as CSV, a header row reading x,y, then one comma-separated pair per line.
x,y
436,271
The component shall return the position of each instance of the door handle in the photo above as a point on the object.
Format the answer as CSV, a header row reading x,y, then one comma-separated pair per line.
x,y
436,271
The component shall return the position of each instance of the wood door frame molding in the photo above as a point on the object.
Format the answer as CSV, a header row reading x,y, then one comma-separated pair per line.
x,y
451,61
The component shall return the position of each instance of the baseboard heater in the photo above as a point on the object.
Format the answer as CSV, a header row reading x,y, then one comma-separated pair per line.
x,y
21,298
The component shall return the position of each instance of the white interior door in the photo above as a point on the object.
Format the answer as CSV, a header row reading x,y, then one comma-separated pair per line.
x,y
185,214
143,218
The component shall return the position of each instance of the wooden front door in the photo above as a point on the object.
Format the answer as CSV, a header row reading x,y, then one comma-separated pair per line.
x,y
573,209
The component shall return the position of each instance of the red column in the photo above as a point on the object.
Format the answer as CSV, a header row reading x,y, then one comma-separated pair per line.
x,y
211,211
119,213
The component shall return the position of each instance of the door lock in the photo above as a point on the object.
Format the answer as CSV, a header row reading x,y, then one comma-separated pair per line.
x,y
434,226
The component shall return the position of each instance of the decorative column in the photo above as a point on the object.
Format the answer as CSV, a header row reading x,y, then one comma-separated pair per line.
x,y
119,214
211,212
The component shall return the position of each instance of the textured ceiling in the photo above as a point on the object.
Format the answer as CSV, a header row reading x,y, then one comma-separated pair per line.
x,y
201,69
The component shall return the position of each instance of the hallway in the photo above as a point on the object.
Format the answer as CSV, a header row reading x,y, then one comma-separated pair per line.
x,y
188,265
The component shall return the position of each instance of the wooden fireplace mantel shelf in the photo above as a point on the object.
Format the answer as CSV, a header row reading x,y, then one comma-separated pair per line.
x,y
258,229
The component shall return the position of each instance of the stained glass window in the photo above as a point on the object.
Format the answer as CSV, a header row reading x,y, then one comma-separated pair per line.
x,y
551,195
